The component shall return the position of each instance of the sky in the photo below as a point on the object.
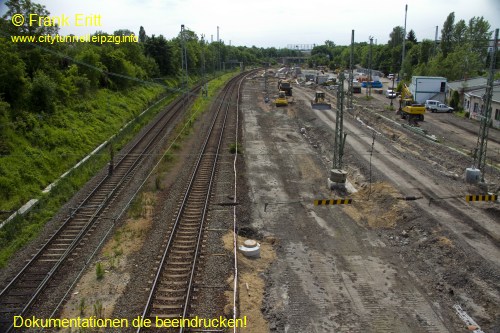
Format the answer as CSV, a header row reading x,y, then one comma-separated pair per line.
x,y
267,23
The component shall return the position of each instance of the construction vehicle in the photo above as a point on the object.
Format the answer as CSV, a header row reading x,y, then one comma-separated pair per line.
x,y
356,87
285,85
319,102
409,108
281,100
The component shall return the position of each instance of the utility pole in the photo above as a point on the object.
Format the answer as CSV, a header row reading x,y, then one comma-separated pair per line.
x,y
337,175
204,88
338,149
218,49
351,75
266,97
370,70
482,139
435,42
404,42
184,65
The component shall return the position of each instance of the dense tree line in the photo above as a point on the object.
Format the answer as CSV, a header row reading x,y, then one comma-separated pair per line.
x,y
41,78
461,52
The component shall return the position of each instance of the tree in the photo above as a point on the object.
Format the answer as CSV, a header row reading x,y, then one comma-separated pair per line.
x,y
478,35
12,74
142,35
459,32
447,35
42,93
426,48
411,37
396,36
27,8
93,66
162,52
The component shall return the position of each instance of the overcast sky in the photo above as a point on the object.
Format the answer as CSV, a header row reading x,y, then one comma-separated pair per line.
x,y
266,23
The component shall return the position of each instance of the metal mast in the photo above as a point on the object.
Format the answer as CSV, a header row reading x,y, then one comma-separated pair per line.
x,y
482,139
338,146
370,79
351,75
204,90
218,50
404,41
184,58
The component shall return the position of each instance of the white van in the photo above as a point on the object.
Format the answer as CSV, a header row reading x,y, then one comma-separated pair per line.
x,y
431,104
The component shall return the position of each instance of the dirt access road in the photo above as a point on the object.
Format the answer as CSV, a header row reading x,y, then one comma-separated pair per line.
x,y
452,131
382,264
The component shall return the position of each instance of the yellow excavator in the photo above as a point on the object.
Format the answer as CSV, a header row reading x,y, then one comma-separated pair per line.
x,y
281,100
319,102
409,108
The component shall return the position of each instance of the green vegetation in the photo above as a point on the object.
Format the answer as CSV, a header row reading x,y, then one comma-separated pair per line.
x,y
235,148
99,271
59,102
461,53
81,307
98,310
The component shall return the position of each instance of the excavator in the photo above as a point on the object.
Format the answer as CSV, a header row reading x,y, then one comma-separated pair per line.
x,y
409,108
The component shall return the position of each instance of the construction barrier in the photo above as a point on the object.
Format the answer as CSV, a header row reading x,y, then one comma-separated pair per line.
x,y
332,202
481,198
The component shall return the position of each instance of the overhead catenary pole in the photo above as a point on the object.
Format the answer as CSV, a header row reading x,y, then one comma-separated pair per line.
x,y
482,139
338,146
184,64
435,42
204,90
218,49
370,80
351,75
404,42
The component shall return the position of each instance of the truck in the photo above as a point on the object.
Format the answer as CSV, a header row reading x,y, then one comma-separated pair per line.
x,y
285,85
356,87
409,108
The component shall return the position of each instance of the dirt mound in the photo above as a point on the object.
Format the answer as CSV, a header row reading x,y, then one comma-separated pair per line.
x,y
378,206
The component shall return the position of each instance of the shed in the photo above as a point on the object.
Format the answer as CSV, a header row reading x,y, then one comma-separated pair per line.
x,y
428,87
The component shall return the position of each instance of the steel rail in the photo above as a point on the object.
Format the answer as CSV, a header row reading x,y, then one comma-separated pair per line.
x,y
162,122
229,88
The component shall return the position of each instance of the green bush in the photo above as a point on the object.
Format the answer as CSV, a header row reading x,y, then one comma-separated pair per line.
x,y
99,271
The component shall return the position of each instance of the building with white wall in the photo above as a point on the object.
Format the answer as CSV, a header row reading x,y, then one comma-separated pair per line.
x,y
428,87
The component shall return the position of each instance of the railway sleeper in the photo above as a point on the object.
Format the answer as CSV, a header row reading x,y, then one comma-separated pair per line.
x,y
172,275
170,298
187,248
180,284
21,293
10,300
167,306
170,290
179,269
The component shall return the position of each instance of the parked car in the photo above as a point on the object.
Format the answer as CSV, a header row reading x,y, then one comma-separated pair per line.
x,y
442,108
431,104
389,93
374,84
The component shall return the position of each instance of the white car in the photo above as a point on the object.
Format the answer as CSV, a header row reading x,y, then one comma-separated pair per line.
x,y
442,108
390,93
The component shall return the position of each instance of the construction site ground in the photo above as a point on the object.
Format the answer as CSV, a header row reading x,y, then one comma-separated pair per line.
x,y
381,264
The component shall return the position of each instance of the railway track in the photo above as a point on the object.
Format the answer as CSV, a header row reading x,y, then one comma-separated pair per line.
x,y
21,292
172,288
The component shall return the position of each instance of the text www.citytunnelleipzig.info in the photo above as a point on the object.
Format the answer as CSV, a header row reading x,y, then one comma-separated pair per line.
x,y
52,39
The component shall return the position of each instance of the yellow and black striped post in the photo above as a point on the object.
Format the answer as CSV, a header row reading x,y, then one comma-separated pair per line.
x,y
486,197
332,202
